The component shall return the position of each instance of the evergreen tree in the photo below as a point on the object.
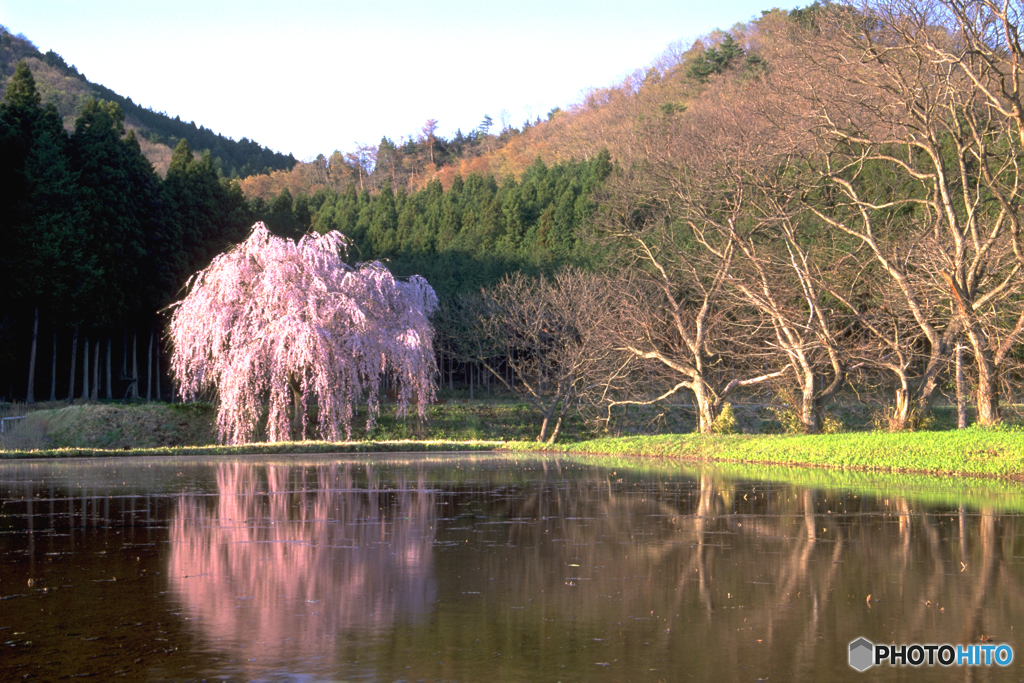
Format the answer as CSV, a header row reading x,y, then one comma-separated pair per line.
x,y
118,189
281,219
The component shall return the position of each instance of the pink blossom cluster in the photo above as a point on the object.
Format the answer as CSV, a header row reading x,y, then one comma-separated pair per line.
x,y
275,326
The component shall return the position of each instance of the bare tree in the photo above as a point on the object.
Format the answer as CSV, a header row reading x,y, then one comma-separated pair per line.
x,y
429,132
672,312
777,275
916,113
548,335
712,223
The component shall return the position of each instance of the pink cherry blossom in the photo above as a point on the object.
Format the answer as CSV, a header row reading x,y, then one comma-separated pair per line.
x,y
275,326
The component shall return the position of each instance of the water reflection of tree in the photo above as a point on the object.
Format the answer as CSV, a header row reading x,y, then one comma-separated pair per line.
x,y
287,559
739,570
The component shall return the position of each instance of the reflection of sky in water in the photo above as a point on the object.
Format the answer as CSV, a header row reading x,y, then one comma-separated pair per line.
x,y
288,557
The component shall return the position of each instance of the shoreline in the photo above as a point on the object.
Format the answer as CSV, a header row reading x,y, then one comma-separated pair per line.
x,y
972,453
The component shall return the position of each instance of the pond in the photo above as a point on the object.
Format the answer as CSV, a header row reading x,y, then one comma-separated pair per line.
x,y
412,567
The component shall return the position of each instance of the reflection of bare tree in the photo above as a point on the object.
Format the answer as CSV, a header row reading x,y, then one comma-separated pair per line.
x,y
291,557
988,540
733,565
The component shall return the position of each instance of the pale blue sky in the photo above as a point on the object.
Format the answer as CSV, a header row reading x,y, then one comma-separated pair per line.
x,y
309,77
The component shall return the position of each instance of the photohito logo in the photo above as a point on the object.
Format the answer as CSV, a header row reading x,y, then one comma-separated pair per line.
x,y
864,654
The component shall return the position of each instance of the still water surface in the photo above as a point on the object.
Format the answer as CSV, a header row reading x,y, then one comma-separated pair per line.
x,y
412,568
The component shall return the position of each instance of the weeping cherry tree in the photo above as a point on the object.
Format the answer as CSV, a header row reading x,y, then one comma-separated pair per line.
x,y
275,326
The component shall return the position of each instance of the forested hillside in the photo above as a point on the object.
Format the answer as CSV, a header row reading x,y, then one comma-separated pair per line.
x,y
823,201
608,118
62,85
100,243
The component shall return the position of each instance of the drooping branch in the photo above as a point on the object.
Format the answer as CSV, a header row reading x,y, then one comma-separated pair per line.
x,y
273,324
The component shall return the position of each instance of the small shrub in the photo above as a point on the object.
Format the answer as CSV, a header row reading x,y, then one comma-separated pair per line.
x,y
788,415
726,422
831,424
917,420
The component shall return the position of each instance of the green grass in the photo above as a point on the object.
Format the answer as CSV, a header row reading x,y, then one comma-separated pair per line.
x,y
104,429
281,448
975,451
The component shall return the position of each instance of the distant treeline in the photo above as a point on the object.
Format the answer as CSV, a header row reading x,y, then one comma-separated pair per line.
x,y
470,235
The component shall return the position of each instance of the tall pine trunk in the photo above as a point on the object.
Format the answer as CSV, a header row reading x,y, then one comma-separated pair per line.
x,y
110,385
30,395
85,369
53,367
74,357
96,371
135,364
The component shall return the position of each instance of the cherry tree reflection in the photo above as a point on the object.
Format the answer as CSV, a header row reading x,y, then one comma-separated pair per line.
x,y
286,559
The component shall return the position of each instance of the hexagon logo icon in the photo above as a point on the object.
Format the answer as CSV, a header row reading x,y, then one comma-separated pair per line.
x,y
861,654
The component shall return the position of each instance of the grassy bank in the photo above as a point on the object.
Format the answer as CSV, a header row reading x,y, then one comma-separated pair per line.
x,y
120,426
105,429
969,452
282,448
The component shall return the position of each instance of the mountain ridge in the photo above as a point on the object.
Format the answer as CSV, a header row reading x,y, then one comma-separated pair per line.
x,y
158,133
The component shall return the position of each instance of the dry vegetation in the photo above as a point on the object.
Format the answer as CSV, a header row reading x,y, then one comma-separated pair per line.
x,y
113,426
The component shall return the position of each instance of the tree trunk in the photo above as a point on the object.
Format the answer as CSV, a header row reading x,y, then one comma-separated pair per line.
x,y
987,388
74,357
96,371
85,369
30,395
901,410
554,432
53,367
135,364
987,396
705,408
110,386
558,422
961,388
296,428
471,382
809,406
149,367
544,424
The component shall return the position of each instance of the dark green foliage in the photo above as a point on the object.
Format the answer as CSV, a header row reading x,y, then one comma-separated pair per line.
x,y
119,192
203,215
715,60
477,231
94,239
56,61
